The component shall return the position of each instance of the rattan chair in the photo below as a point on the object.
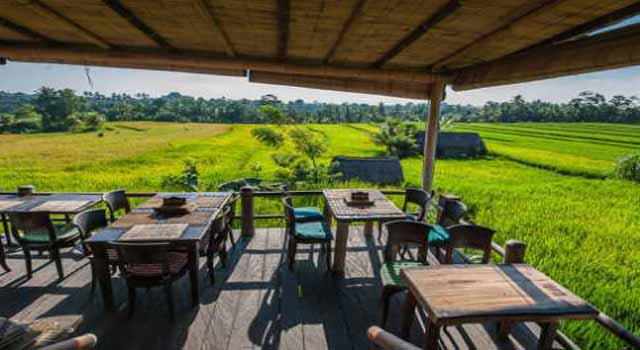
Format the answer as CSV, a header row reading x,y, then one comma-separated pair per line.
x,y
215,241
304,214
146,265
314,232
87,222
231,216
418,197
36,231
402,233
469,236
116,200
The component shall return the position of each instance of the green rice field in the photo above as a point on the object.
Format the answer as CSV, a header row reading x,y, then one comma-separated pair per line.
x,y
546,184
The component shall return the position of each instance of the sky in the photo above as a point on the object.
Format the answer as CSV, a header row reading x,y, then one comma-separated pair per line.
x,y
27,77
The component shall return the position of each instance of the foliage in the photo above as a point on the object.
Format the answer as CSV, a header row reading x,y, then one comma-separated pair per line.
x,y
271,114
628,168
57,108
188,180
398,138
86,121
256,168
25,120
268,136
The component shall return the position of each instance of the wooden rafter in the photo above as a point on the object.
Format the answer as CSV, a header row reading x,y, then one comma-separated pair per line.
x,y
208,12
418,32
23,30
283,28
355,13
614,49
190,61
128,15
40,7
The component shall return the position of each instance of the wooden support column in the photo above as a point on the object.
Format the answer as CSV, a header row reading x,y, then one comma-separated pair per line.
x,y
514,251
431,135
246,196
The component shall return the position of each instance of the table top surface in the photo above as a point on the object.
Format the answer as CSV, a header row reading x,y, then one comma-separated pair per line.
x,y
382,208
145,224
455,294
62,203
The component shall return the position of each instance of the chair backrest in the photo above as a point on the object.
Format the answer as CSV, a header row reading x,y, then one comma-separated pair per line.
x,y
289,215
418,197
219,225
90,220
116,200
469,236
407,233
136,258
231,204
29,222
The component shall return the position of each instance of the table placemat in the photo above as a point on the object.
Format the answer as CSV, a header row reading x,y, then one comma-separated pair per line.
x,y
200,201
60,205
381,208
154,232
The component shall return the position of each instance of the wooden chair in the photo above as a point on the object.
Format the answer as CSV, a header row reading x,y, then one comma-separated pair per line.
x,y
146,265
116,200
401,233
418,197
215,241
36,231
469,236
231,216
87,222
304,214
313,232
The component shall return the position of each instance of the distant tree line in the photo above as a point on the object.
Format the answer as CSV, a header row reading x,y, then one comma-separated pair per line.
x,y
49,110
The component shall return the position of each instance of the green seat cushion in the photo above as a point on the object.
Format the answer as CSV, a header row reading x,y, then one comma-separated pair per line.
x,y
390,272
307,214
63,232
438,235
316,231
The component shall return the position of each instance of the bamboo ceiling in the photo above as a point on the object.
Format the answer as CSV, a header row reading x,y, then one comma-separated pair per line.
x,y
388,47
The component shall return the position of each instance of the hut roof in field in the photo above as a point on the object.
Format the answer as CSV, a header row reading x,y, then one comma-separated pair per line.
x,y
396,48
452,144
376,170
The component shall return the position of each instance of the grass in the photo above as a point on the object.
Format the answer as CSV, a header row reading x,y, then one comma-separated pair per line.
x,y
545,184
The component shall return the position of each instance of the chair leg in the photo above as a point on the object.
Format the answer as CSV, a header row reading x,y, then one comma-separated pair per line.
x,y
231,238
292,253
27,261
93,277
169,292
379,231
387,293
210,264
55,256
132,300
223,254
328,255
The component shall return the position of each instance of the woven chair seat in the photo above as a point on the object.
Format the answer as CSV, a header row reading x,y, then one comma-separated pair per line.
x,y
308,214
390,272
317,231
177,262
63,233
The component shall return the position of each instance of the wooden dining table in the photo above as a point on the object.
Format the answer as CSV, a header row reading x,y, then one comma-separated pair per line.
x,y
149,225
67,204
457,294
336,207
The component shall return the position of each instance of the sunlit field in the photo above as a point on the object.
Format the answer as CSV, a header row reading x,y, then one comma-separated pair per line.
x,y
545,184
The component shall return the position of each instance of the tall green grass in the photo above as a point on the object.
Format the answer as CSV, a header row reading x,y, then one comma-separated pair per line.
x,y
584,232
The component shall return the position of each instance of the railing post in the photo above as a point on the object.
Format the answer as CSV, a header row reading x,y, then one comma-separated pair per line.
x,y
246,195
514,252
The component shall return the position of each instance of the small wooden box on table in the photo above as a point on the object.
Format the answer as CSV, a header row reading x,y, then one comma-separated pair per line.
x,y
458,294
145,224
336,207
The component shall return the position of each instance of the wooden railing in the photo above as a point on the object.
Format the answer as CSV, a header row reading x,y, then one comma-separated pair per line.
x,y
248,218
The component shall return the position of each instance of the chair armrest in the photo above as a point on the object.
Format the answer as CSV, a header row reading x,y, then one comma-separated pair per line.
x,y
388,341
85,341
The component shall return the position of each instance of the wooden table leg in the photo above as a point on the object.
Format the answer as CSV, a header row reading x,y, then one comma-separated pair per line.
x,y
5,227
547,335
342,235
408,314
194,274
432,335
103,275
3,258
368,229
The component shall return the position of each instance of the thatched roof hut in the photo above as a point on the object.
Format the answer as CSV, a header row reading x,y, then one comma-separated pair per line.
x,y
456,144
376,170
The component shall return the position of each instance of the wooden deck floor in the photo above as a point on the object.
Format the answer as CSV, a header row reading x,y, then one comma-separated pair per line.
x,y
256,303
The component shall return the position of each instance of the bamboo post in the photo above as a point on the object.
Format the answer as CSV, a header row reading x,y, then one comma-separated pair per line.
x,y
431,135
246,196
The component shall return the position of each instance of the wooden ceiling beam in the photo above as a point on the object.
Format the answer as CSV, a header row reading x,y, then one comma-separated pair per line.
x,y
42,8
130,17
208,12
609,50
355,13
195,60
23,30
283,28
448,9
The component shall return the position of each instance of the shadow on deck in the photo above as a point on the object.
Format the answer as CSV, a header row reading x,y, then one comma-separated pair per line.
x,y
256,302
